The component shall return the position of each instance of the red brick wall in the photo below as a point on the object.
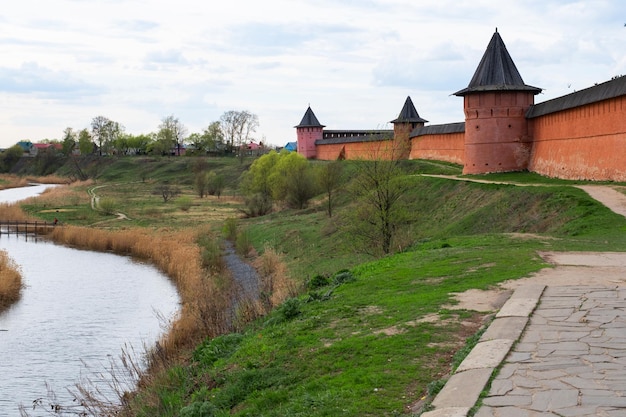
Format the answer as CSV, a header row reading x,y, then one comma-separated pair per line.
x,y
587,142
440,147
356,150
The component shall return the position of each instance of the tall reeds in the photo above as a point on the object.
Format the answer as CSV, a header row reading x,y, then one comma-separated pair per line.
x,y
10,281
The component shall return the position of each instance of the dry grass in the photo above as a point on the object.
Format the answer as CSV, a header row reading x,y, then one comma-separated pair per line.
x,y
10,281
13,181
13,212
62,196
275,283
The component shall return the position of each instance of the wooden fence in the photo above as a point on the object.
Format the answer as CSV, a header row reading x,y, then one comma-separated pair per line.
x,y
21,227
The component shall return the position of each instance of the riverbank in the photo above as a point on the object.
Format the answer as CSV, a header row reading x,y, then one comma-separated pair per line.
x,y
10,281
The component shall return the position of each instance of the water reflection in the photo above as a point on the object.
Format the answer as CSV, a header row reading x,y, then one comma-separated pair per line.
x,y
77,306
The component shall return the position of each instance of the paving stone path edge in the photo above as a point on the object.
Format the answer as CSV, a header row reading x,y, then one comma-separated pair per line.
x,y
462,391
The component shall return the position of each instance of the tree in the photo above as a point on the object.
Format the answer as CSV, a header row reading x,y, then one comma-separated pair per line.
x,y
10,157
292,180
237,127
213,137
139,143
329,177
171,134
285,176
379,187
85,143
69,141
215,184
105,132
166,191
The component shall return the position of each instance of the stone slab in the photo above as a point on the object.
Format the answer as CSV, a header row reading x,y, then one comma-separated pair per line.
x,y
487,354
505,328
463,389
448,412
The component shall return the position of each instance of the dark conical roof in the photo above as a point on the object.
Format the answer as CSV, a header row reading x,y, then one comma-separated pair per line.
x,y
309,120
496,71
408,114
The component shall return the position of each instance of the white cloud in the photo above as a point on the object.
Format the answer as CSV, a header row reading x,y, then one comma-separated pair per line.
x,y
354,61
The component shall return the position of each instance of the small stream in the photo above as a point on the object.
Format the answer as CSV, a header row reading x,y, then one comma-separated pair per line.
x,y
79,309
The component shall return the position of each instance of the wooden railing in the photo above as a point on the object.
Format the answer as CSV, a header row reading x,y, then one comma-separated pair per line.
x,y
21,227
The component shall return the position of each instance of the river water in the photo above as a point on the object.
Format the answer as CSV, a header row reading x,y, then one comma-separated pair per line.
x,y
77,312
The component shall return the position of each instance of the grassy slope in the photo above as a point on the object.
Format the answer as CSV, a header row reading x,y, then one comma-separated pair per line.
x,y
367,347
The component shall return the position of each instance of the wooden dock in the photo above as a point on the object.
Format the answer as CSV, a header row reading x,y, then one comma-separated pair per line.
x,y
21,227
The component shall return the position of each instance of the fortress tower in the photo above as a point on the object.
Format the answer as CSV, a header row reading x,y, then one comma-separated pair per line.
x,y
495,103
308,131
403,125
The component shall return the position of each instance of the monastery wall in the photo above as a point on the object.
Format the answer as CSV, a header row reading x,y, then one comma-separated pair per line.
x,y
585,142
355,150
448,147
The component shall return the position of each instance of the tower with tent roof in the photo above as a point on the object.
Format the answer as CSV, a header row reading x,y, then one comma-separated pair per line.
x,y
495,104
308,131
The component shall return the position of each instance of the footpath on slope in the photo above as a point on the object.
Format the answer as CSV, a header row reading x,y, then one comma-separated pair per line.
x,y
559,341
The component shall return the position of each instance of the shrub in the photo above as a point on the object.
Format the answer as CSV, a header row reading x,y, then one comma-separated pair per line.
x,y
343,276
230,229
108,205
243,244
184,203
318,281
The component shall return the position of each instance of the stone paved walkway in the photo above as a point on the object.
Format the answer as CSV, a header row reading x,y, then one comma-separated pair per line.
x,y
570,360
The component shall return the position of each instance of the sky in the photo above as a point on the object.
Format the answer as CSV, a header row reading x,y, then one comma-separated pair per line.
x,y
354,62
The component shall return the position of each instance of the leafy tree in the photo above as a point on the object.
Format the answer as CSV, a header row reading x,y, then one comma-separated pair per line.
x,y
213,137
285,176
10,157
329,177
200,183
292,180
171,134
215,184
139,143
237,126
105,132
379,187
69,140
85,143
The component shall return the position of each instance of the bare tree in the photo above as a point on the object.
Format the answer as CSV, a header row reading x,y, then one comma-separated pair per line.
x,y
237,127
379,186
330,178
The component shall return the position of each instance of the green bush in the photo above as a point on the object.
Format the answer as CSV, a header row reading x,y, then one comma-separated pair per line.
x,y
243,244
108,205
184,203
230,229
343,277
318,281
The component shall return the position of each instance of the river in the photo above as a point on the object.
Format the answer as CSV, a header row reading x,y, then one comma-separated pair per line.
x,y
77,311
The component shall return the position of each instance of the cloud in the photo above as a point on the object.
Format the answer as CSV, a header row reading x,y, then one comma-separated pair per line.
x,y
31,78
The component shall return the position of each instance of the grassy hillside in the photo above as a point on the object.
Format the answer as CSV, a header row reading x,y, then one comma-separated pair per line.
x,y
366,337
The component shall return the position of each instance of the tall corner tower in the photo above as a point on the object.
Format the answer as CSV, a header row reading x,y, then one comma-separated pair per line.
x,y
403,125
495,103
308,131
